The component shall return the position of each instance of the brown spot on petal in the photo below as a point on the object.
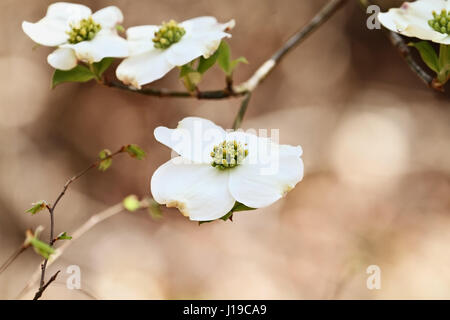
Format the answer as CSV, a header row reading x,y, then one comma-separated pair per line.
x,y
180,206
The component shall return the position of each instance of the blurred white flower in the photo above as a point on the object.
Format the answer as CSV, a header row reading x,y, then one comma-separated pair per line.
x,y
423,19
155,50
216,168
78,34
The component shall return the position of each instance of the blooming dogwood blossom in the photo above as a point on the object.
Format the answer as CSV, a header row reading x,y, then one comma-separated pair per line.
x,y
78,34
215,169
424,19
155,50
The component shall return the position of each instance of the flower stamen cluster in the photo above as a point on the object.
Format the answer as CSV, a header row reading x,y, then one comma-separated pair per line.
x,y
228,154
168,34
440,22
84,30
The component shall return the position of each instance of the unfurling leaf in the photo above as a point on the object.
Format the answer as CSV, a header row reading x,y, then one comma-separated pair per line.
x,y
100,67
191,80
236,62
427,54
135,151
78,74
64,236
154,209
106,160
205,64
37,206
131,203
444,63
223,59
41,248
185,70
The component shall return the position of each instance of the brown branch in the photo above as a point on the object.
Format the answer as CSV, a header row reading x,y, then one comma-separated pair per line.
x,y
12,258
397,41
260,74
78,233
240,115
51,210
43,287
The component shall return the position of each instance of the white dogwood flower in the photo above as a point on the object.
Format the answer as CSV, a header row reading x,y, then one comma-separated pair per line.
x,y
155,50
423,19
215,169
78,34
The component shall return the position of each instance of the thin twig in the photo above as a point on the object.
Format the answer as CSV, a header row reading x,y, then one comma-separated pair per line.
x,y
12,258
260,74
51,210
240,115
42,288
397,41
78,233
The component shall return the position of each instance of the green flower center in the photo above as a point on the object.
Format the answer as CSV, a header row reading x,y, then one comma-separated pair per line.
x,y
168,34
441,22
84,30
228,154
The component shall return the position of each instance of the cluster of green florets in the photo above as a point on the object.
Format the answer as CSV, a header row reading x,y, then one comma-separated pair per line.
x,y
168,34
441,22
228,154
84,30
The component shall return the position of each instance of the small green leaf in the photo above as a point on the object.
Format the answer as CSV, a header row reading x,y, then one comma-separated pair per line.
x,y
120,28
102,66
37,206
205,64
228,216
131,203
185,70
427,54
236,62
154,209
223,59
106,160
135,151
241,207
64,236
42,248
77,74
444,63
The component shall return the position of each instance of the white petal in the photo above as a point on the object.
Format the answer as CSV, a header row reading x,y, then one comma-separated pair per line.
x,y
191,47
140,39
108,17
46,32
105,44
411,19
62,59
202,38
260,184
66,12
198,191
142,32
202,24
144,68
193,139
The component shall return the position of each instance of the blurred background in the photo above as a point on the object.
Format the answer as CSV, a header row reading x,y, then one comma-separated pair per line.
x,y
376,152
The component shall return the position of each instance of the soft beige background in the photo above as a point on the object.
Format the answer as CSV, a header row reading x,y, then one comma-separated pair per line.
x,y
376,151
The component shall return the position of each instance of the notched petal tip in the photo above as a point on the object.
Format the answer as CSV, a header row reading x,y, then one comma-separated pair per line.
x,y
181,206
229,25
